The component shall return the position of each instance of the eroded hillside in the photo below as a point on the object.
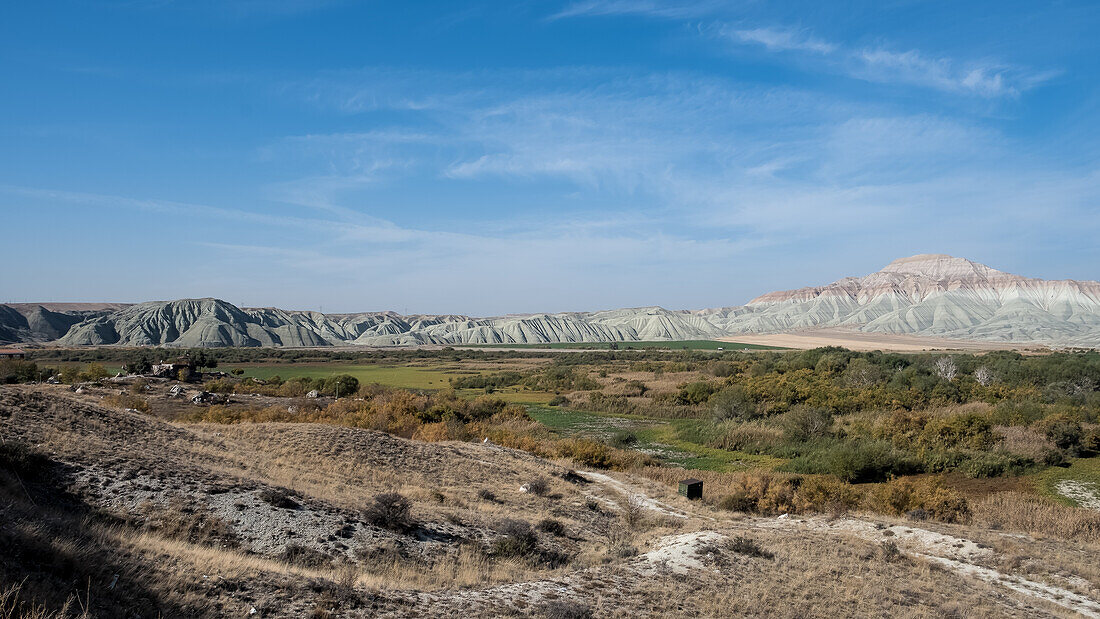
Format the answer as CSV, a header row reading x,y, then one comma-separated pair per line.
x,y
934,296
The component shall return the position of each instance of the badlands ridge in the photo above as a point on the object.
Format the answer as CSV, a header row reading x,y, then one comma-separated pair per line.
x,y
930,295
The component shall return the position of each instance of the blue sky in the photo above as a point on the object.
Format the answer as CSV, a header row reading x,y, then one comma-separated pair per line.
x,y
496,157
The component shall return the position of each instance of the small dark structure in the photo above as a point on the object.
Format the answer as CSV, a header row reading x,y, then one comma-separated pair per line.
x,y
691,488
12,353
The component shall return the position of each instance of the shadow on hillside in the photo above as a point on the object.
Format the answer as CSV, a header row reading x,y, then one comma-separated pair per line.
x,y
52,548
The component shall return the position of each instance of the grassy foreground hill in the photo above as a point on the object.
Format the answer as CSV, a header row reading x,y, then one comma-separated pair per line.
x,y
113,512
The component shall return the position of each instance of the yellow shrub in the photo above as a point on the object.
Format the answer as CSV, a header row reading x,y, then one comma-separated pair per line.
x,y
761,492
923,493
820,493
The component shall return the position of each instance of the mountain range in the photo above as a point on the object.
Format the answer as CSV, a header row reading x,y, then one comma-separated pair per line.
x,y
925,295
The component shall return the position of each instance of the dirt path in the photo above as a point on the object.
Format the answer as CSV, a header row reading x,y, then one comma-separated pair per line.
x,y
636,493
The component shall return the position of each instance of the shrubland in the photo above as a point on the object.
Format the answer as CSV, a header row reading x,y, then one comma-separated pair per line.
x,y
435,416
858,420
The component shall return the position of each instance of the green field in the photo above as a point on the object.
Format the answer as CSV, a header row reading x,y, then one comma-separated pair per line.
x,y
403,376
431,378
1083,470
657,437
682,345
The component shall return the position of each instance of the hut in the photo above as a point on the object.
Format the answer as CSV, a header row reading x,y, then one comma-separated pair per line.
x,y
691,488
12,353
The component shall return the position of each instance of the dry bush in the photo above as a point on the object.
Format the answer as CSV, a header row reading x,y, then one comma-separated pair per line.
x,y
551,526
390,511
126,400
902,496
1038,515
539,486
633,512
520,542
565,609
592,453
179,521
304,556
820,493
737,436
1024,441
748,547
278,497
766,492
762,492
753,491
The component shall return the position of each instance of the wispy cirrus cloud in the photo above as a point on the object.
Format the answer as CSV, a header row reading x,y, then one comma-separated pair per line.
x,y
665,9
984,78
780,39
882,64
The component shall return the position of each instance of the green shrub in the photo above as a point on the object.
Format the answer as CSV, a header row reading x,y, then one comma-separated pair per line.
x,y
696,393
734,403
995,464
1065,433
968,431
1016,413
623,439
483,381
856,462
18,371
1090,441
342,385
221,385
804,423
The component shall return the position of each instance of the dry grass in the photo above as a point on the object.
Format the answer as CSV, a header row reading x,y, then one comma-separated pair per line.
x,y
767,492
387,570
1036,515
812,573
12,606
1024,441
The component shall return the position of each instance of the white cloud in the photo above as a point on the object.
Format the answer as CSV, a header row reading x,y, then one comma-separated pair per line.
x,y
777,39
665,9
912,67
881,65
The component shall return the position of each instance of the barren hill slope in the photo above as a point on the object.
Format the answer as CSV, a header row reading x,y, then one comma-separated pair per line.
x,y
933,295
930,295
133,516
